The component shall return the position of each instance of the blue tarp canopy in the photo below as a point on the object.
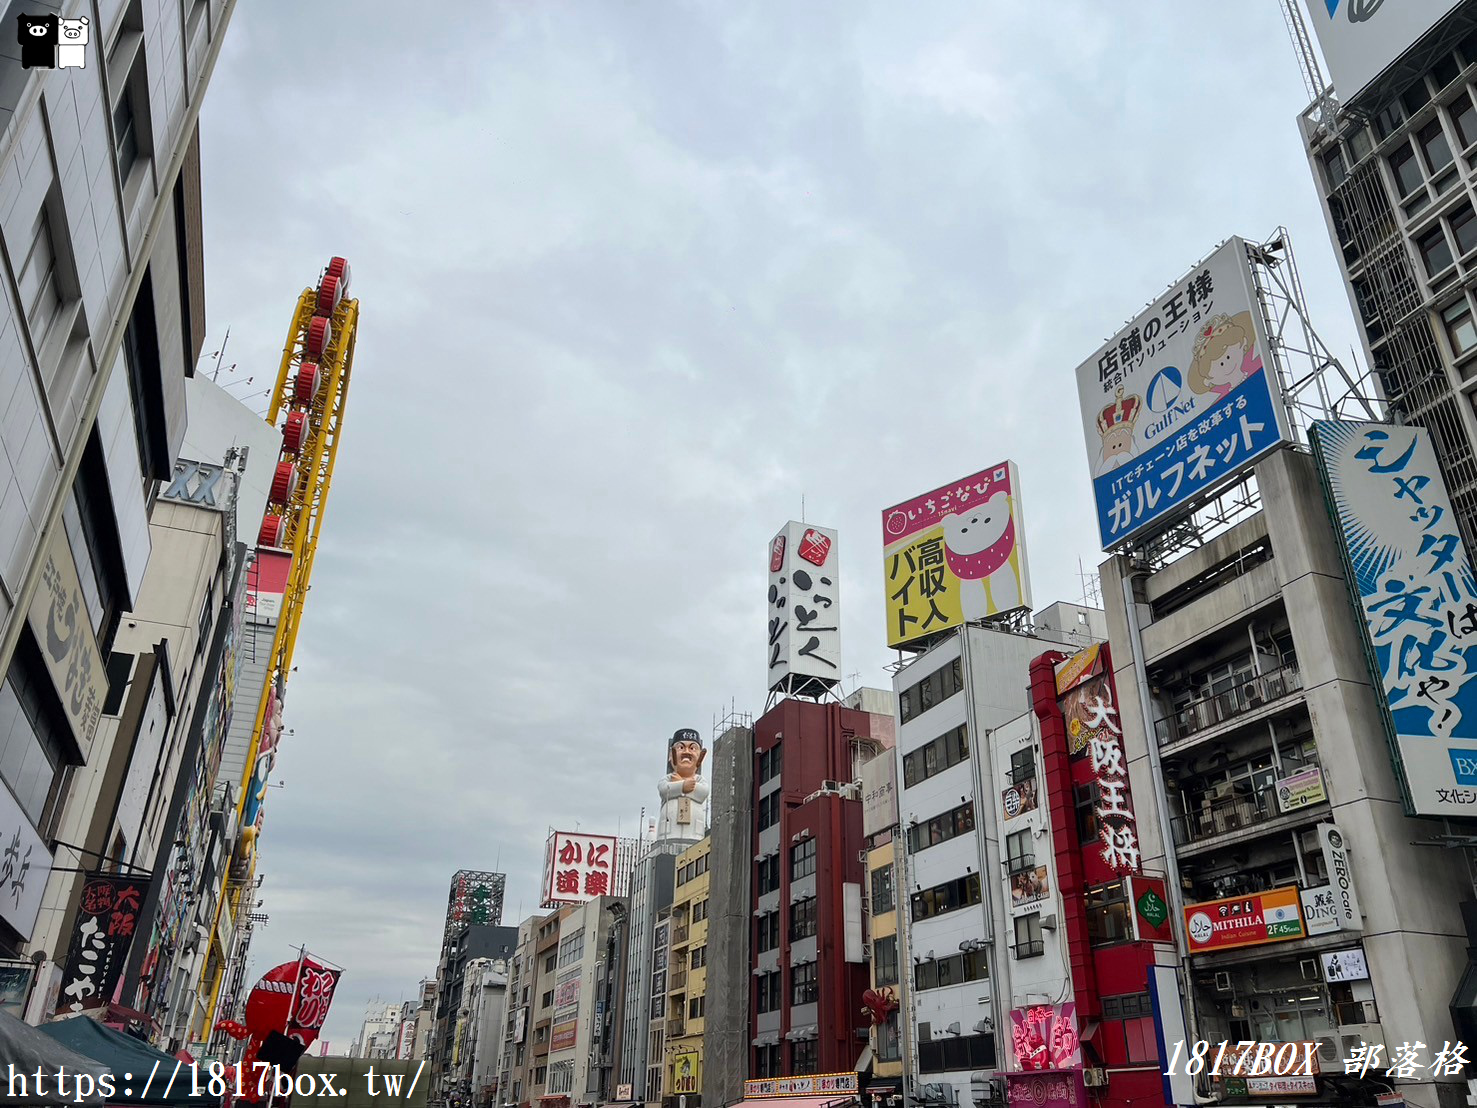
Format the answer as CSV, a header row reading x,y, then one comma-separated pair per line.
x,y
122,1054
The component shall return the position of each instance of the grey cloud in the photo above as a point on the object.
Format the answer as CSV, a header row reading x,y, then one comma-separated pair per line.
x,y
634,280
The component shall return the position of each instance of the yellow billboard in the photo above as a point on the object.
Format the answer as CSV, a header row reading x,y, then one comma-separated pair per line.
x,y
955,555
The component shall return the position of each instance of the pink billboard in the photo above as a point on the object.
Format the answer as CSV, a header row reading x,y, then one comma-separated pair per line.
x,y
1045,1037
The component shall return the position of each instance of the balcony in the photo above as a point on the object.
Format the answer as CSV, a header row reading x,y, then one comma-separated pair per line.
x,y
677,982
1217,812
1211,711
676,1029
679,936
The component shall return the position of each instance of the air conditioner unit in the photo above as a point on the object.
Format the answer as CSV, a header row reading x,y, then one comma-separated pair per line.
x,y
1095,1077
831,786
1354,1035
1222,981
1308,841
1252,695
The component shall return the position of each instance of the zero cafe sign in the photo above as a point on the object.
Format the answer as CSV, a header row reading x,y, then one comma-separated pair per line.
x,y
816,1085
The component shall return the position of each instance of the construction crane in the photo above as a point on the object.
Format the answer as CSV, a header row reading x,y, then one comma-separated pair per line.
x,y
308,405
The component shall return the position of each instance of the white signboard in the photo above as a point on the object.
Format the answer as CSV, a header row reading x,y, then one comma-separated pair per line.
x,y
1340,877
804,610
1320,910
578,868
1360,38
1290,1086
25,864
1345,965
63,627
1413,581
1180,401
879,794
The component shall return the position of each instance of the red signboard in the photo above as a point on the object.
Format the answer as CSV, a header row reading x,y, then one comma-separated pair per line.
x,y
1269,917
1089,704
563,1035
1151,912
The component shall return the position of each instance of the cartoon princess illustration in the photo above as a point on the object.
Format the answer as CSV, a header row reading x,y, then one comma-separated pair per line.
x,y
1225,355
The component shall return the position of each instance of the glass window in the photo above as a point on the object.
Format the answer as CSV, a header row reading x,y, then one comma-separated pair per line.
x,y
803,919
1433,142
1020,852
1407,170
802,859
884,899
1464,229
1333,166
125,128
1022,765
1416,97
1446,70
805,1054
1435,250
884,961
1084,799
31,759
1464,119
1107,915
40,295
803,984
1028,942
1360,144
1459,327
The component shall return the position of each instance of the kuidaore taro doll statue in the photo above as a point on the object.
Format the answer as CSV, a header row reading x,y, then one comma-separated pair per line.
x,y
684,792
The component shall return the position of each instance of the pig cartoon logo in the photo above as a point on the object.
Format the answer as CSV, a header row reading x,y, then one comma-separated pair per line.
x,y
72,52
981,549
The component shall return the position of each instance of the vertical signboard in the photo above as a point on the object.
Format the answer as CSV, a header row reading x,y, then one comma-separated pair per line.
x,y
1360,38
1340,878
1179,402
804,610
1088,700
63,626
107,919
954,555
578,868
1416,595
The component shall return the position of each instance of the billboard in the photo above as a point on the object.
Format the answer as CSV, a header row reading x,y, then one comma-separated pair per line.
x,y
1045,1037
1179,402
562,1036
1360,38
955,554
578,868
804,610
1414,590
1269,917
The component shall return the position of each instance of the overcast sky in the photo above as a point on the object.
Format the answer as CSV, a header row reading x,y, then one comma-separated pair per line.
x,y
634,278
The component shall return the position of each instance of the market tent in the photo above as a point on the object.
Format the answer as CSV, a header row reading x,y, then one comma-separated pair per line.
x,y
157,1078
28,1049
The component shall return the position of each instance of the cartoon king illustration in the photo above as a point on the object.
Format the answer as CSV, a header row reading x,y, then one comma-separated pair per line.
x,y
1115,425
684,792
